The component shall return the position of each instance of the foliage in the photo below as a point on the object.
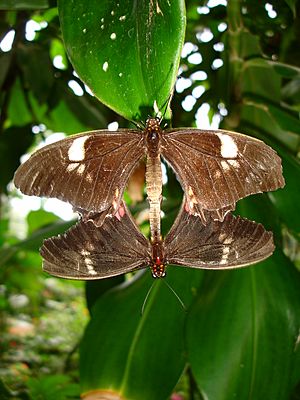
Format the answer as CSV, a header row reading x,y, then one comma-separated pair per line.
x,y
240,336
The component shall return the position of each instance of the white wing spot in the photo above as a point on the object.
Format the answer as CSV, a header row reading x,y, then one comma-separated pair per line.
x,y
76,151
115,205
190,191
225,255
234,163
191,198
89,265
228,147
80,169
224,165
228,240
72,166
89,178
222,236
113,36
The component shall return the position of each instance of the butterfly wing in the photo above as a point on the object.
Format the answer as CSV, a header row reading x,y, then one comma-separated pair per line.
x,y
232,243
88,252
217,168
89,170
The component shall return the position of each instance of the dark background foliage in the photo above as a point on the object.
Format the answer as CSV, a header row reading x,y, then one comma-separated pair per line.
x,y
240,338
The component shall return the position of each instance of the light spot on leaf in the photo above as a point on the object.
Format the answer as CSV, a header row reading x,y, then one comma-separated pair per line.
x,y
105,66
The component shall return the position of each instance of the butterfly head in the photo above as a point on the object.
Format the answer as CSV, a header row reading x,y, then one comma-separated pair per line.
x,y
153,124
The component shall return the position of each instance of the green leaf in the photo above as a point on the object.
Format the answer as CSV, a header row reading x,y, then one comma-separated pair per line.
x,y
34,241
40,80
5,61
95,289
14,142
4,392
126,52
285,70
292,5
287,200
23,4
38,219
261,118
242,339
260,79
57,387
129,352
18,112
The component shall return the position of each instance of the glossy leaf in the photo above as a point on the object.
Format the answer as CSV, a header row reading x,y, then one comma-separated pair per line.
x,y
242,333
150,35
117,355
243,329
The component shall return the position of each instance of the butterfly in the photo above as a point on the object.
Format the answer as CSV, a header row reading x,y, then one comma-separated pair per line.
x,y
88,252
90,170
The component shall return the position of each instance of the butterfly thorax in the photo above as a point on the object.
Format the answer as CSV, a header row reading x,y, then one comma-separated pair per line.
x,y
153,133
158,266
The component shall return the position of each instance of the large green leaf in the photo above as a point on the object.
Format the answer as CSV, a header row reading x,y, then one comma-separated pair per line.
x,y
127,52
242,333
134,356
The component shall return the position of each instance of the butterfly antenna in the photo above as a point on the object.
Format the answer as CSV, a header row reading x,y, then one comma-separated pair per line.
x,y
165,106
176,295
139,125
146,298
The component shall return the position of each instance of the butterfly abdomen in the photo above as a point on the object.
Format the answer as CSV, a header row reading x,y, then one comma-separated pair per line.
x,y
158,260
153,175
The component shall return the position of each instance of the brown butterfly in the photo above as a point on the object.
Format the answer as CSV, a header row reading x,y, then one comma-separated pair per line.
x,y
90,170
86,251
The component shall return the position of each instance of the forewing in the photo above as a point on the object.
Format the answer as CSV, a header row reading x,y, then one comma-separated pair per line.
x,y
235,242
89,170
87,252
217,168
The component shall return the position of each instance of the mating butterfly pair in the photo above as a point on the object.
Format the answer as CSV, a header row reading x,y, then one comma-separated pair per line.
x,y
90,171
